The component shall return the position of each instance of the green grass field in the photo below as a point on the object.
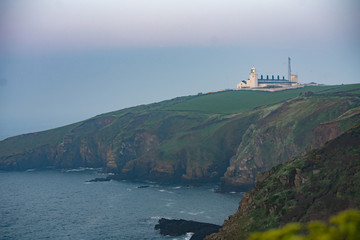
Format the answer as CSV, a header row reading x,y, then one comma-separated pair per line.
x,y
228,102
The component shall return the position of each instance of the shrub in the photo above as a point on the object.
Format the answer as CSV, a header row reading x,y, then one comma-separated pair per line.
x,y
344,226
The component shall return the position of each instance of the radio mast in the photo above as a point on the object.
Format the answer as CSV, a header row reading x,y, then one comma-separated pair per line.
x,y
289,69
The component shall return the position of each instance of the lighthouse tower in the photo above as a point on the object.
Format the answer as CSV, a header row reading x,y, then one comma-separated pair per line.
x,y
253,79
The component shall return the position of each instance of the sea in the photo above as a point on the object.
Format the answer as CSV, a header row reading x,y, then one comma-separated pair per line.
x,y
61,204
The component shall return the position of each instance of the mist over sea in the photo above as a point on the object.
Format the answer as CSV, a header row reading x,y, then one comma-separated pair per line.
x,y
59,204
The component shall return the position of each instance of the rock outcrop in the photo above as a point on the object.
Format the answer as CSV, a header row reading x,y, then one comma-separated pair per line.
x,y
311,187
289,130
169,227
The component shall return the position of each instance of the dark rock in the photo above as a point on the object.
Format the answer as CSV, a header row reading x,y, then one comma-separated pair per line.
x,y
100,180
181,227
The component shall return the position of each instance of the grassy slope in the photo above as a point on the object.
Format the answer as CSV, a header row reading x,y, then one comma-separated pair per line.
x,y
24,142
292,124
228,102
185,122
312,187
208,120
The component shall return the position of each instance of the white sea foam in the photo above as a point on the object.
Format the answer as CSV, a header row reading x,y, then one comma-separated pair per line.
x,y
155,219
81,169
195,213
75,170
188,235
163,190
192,213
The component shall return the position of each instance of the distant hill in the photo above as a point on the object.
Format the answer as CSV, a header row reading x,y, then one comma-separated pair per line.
x,y
315,186
228,136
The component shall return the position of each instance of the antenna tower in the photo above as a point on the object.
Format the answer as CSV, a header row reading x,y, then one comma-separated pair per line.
x,y
289,69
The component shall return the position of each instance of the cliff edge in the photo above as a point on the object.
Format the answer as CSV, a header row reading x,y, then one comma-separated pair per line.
x,y
311,187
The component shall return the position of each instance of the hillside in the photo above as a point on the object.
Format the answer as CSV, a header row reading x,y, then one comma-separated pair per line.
x,y
311,187
228,135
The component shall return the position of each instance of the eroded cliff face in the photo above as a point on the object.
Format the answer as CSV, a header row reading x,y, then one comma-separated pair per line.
x,y
311,187
162,146
237,151
149,143
286,131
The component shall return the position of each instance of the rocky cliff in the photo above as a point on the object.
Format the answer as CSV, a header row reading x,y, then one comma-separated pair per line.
x,y
228,135
286,130
311,187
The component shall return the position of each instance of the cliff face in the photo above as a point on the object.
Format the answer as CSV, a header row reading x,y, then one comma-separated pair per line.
x,y
231,135
311,187
146,144
287,130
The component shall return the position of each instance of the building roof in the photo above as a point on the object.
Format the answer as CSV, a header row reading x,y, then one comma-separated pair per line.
x,y
272,81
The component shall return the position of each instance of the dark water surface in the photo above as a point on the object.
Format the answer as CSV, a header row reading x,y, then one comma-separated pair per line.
x,y
61,205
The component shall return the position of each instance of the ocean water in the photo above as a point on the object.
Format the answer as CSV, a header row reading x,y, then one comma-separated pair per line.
x,y
55,204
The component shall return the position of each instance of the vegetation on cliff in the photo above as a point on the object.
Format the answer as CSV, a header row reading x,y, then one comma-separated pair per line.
x,y
289,129
228,135
345,225
311,187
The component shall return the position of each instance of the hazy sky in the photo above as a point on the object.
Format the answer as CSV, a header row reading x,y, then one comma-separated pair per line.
x,y
63,61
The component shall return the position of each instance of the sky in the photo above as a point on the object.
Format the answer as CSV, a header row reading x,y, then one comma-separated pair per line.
x,y
63,61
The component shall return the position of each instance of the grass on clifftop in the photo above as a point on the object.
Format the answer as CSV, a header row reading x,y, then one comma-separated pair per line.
x,y
26,142
228,102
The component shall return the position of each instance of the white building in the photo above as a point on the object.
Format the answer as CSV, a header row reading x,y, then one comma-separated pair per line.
x,y
266,82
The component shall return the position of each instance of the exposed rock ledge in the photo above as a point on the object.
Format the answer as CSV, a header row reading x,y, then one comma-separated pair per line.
x,y
181,227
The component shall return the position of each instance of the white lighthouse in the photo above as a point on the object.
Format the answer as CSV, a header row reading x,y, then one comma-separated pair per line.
x,y
253,79
252,82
